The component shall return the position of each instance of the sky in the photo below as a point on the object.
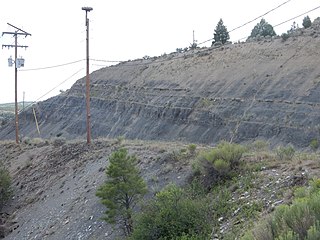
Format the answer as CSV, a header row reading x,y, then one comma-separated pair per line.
x,y
119,30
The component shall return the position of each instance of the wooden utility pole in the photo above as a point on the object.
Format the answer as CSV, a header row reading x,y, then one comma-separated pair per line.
x,y
88,9
16,34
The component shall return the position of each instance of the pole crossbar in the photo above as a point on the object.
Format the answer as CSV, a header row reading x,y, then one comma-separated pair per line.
x,y
15,46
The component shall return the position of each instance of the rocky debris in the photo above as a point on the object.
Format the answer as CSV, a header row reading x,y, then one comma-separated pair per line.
x,y
270,188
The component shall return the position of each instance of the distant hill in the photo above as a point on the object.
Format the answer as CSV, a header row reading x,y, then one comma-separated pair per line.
x,y
7,111
262,89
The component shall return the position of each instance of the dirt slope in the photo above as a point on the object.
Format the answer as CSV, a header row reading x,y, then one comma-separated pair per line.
x,y
55,185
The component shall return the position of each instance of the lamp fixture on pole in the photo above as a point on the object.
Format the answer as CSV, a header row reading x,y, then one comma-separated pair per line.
x,y
88,9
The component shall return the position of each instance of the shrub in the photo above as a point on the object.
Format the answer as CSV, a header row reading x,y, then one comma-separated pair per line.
x,y
263,28
218,164
285,153
122,190
27,141
193,46
306,23
192,148
297,221
120,139
314,144
284,37
259,146
230,152
179,50
173,214
5,183
221,166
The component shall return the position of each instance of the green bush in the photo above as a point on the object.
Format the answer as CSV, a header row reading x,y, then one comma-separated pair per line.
x,y
218,164
192,148
5,186
173,214
230,152
284,37
285,153
314,144
222,166
297,221
259,146
263,28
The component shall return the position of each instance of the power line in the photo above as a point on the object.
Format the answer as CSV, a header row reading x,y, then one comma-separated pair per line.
x,y
54,66
297,16
183,56
67,79
251,20
159,61
66,64
101,60
164,60
277,25
260,16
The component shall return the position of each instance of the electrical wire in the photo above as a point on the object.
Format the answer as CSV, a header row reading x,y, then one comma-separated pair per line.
x,y
279,24
297,16
67,79
164,60
154,62
49,67
236,28
183,56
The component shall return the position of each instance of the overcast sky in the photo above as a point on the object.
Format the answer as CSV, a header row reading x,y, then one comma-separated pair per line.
x,y
119,30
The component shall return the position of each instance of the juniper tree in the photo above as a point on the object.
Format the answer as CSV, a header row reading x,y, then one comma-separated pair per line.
x,y
263,28
306,22
221,33
122,189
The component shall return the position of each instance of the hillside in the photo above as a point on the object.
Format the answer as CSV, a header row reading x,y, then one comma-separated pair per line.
x,y
54,185
7,112
265,89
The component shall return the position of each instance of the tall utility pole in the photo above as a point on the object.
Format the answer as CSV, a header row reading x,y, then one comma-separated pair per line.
x,y
16,66
88,9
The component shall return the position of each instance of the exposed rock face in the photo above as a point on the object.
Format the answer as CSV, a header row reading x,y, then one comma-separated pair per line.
x,y
238,92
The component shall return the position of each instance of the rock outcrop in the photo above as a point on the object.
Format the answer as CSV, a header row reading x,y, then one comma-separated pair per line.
x,y
236,92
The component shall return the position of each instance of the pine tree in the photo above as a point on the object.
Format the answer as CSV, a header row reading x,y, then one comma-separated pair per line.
x,y
306,22
263,29
221,33
122,189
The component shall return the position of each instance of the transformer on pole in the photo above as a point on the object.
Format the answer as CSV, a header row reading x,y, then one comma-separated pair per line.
x,y
18,62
